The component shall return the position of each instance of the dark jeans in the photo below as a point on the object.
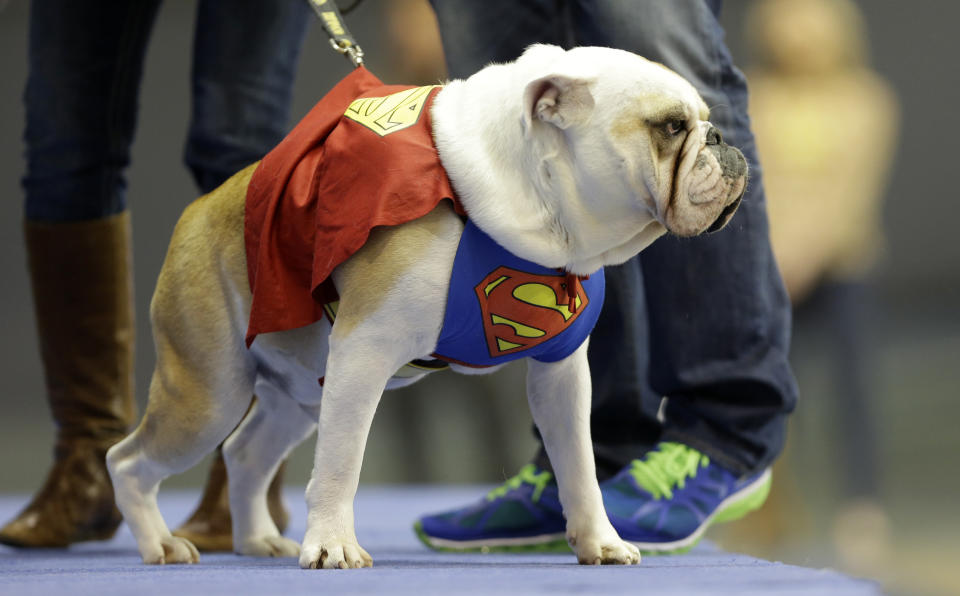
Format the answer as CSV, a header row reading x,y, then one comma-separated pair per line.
x,y
702,322
86,60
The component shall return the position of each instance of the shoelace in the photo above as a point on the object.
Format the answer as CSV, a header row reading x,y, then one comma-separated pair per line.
x,y
526,475
667,467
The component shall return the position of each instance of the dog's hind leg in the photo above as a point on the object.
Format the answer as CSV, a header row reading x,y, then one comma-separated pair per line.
x,y
201,388
252,454
183,422
203,381
136,481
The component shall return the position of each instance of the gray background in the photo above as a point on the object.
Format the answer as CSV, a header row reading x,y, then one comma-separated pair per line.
x,y
448,429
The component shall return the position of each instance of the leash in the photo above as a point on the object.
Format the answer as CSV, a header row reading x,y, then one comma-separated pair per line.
x,y
340,37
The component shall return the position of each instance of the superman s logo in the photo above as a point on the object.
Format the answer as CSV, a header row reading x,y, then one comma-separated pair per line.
x,y
521,310
395,112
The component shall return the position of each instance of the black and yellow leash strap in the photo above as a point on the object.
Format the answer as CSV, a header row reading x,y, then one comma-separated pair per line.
x,y
340,37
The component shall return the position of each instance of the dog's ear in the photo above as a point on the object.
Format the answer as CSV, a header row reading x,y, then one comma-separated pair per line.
x,y
559,100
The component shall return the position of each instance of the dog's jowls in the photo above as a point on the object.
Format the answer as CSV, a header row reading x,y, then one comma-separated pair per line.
x,y
570,159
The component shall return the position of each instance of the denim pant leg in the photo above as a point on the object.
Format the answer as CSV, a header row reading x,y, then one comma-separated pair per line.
x,y
718,313
244,62
475,33
85,65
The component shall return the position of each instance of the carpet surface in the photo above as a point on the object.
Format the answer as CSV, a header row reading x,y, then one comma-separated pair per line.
x,y
402,565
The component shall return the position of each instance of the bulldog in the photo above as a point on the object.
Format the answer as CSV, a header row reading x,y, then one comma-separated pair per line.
x,y
557,164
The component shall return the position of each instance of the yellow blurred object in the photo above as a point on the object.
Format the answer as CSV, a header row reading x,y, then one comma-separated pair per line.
x,y
825,126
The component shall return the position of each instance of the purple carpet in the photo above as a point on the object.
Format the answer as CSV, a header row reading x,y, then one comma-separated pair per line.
x,y
402,565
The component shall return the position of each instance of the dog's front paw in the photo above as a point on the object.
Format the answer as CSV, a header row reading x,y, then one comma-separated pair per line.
x,y
269,546
170,550
333,554
602,548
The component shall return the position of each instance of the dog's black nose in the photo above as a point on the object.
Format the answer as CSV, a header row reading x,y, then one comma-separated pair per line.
x,y
713,136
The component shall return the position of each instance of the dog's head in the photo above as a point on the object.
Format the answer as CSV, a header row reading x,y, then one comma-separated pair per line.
x,y
636,136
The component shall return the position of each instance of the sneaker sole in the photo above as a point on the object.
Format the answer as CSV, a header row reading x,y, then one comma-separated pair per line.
x,y
734,507
545,543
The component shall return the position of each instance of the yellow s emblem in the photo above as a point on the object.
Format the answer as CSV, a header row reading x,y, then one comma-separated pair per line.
x,y
521,310
384,115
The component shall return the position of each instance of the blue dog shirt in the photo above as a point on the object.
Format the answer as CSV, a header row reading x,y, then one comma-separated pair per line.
x,y
501,307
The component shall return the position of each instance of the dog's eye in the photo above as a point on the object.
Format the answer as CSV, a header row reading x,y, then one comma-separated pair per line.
x,y
675,127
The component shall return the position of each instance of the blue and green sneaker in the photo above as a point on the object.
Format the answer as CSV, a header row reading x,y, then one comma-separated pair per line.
x,y
522,515
665,501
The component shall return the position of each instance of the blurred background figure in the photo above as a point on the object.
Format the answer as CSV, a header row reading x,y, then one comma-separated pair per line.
x,y
826,127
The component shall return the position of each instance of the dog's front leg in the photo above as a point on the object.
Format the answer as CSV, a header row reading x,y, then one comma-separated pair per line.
x,y
354,382
559,395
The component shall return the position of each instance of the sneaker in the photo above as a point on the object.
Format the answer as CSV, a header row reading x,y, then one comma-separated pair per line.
x,y
522,515
664,502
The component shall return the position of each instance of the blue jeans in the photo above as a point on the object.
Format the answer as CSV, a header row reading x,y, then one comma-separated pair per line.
x,y
703,322
85,65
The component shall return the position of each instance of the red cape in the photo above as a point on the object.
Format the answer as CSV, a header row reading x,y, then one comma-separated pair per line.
x,y
313,199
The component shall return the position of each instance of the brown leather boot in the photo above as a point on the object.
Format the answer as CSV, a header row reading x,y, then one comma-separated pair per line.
x,y
83,295
209,527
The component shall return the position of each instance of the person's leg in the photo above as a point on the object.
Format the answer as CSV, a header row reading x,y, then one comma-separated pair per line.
x,y
85,62
719,316
244,64
717,310
475,34
85,65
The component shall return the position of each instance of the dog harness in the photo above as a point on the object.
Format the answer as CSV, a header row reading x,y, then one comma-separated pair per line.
x,y
364,157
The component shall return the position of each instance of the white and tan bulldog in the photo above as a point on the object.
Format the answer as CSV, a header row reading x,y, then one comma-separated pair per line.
x,y
571,159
